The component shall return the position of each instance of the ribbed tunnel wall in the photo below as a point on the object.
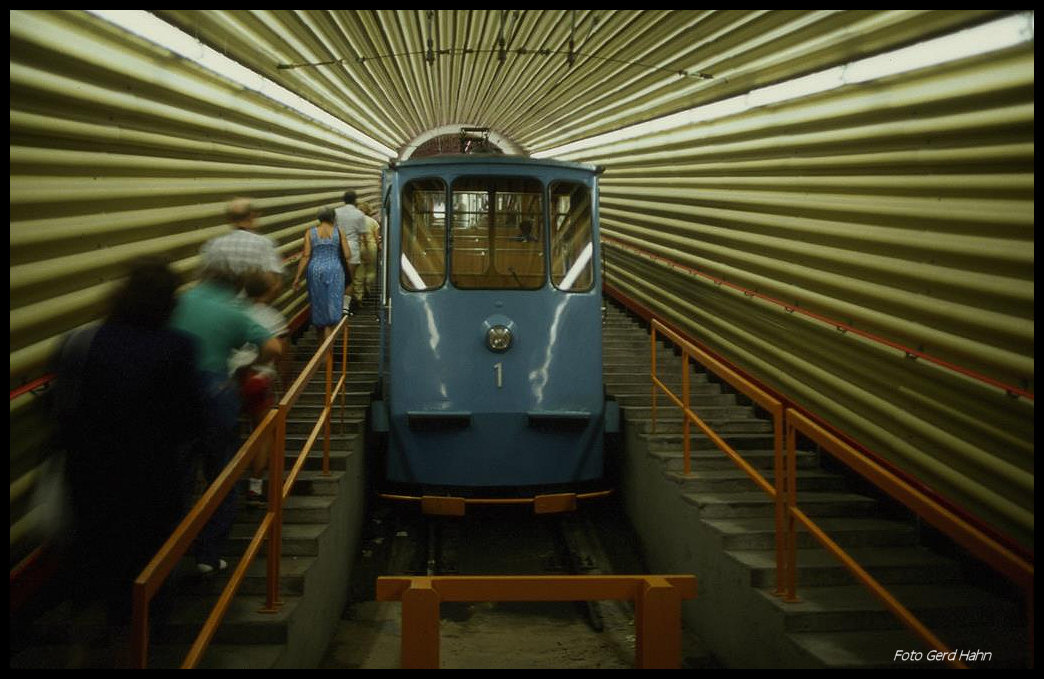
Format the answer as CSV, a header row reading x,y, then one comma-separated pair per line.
x,y
900,207
904,210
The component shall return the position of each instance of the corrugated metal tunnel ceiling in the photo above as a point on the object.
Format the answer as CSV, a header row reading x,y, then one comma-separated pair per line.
x,y
541,78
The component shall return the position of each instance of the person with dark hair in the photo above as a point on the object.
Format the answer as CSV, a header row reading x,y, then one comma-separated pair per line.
x,y
126,402
219,323
321,263
352,223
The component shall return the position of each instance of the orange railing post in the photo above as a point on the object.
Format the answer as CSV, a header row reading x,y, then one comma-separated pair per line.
x,y
275,507
657,621
139,628
344,373
327,401
652,374
420,615
786,530
686,428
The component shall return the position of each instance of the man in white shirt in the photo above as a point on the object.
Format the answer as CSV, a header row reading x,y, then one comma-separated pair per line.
x,y
350,221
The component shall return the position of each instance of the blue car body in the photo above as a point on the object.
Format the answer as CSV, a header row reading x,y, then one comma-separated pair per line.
x,y
458,413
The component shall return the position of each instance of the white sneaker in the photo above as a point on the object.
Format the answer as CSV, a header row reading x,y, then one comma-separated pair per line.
x,y
207,569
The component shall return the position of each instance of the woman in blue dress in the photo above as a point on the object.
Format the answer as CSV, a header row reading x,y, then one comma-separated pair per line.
x,y
323,245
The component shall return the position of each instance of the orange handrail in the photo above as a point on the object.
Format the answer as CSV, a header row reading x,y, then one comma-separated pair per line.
x,y
775,490
162,564
1004,561
657,600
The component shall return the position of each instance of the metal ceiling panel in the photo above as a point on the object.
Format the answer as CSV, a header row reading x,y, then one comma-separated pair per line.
x,y
543,77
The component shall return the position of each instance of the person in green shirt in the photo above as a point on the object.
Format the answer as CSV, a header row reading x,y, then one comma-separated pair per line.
x,y
212,315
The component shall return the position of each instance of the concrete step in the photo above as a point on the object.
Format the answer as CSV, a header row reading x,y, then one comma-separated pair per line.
x,y
356,375
311,400
624,339
161,656
636,379
218,656
622,361
356,337
630,347
619,380
671,442
737,481
357,356
355,331
195,599
244,623
356,394
366,363
759,504
853,607
305,350
315,390
299,509
354,417
630,351
313,482
300,539
706,398
818,568
709,458
982,648
633,392
722,420
340,450
756,533
293,573
356,345
616,314
357,371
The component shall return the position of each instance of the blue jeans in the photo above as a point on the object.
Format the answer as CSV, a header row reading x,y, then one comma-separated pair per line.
x,y
216,447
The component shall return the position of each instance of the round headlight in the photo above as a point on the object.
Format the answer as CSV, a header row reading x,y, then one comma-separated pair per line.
x,y
498,338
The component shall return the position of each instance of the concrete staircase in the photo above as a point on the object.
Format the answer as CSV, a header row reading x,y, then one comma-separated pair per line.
x,y
322,521
719,525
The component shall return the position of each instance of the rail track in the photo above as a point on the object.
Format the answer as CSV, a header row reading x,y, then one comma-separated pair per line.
x,y
497,541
